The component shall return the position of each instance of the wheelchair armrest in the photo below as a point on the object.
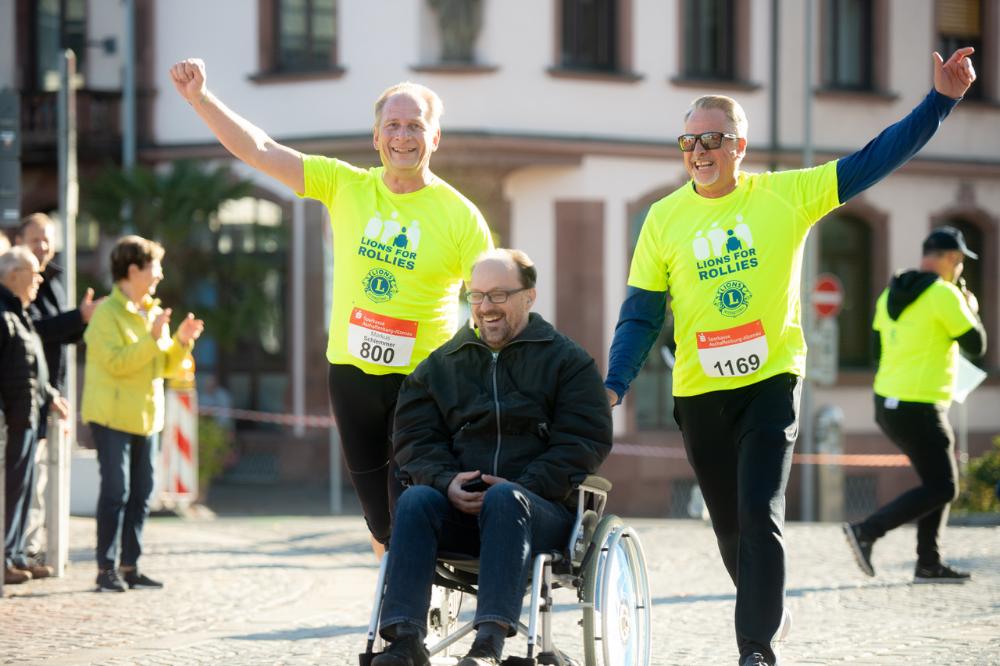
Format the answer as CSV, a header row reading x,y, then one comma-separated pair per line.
x,y
591,482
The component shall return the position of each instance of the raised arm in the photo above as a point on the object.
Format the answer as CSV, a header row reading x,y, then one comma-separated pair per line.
x,y
242,138
902,140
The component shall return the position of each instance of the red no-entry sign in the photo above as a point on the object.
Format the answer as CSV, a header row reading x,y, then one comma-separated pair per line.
x,y
827,295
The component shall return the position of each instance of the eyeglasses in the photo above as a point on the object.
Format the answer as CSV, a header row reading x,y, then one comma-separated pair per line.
x,y
709,140
495,296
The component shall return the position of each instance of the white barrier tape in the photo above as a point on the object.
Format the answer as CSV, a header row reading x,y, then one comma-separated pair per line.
x,y
620,448
843,459
268,417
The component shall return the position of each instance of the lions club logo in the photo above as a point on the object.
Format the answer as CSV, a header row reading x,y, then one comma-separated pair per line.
x,y
380,285
733,298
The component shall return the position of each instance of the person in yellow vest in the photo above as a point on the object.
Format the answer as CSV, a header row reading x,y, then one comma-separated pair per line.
x,y
404,241
129,353
921,321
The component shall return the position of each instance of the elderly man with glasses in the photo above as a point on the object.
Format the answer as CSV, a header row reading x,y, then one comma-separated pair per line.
x,y
24,390
728,247
490,430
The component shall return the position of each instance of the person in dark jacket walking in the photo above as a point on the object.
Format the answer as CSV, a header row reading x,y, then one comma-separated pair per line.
x,y
24,389
921,321
57,327
490,431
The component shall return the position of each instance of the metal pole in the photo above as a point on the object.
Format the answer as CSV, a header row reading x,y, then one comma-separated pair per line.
x,y
128,89
3,484
809,263
774,98
336,492
299,316
963,438
69,197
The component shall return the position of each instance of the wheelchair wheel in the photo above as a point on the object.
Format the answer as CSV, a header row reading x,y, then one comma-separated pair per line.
x,y
615,594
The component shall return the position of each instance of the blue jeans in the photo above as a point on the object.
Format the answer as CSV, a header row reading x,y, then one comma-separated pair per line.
x,y
19,484
126,463
513,525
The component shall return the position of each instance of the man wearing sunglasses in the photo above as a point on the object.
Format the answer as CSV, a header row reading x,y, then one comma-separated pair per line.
x,y
728,247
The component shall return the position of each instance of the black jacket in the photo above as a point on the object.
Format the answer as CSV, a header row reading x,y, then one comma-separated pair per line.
x,y
55,326
24,376
534,413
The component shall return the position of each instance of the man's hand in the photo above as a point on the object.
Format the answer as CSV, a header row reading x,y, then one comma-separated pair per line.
x,y
465,502
612,397
970,298
161,324
190,329
954,77
60,406
88,305
189,79
471,503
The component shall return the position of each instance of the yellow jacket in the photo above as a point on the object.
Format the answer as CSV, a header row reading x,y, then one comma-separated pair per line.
x,y
123,385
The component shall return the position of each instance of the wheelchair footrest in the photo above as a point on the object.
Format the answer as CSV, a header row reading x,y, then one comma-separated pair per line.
x,y
365,658
518,661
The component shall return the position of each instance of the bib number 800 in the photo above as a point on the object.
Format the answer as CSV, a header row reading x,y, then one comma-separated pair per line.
x,y
377,353
738,366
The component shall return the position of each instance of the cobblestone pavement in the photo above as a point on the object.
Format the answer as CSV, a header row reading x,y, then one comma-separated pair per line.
x,y
298,590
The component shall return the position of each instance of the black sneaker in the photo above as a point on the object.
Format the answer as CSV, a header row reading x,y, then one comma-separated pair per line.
x,y
861,547
754,659
109,581
939,573
484,652
405,651
140,581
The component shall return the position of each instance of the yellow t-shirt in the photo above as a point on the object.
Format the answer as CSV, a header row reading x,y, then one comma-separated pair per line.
x,y
919,352
398,264
732,266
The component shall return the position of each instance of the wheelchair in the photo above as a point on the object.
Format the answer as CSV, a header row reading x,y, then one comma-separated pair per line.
x,y
603,563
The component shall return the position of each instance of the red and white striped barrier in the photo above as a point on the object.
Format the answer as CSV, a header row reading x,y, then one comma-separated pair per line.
x,y
178,469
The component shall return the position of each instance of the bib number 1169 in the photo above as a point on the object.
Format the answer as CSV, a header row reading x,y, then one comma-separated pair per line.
x,y
737,366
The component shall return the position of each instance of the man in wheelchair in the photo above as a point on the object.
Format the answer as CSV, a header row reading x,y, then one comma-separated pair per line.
x,y
489,431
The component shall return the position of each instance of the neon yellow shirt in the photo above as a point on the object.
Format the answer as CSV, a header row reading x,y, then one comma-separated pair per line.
x,y
919,352
398,264
732,266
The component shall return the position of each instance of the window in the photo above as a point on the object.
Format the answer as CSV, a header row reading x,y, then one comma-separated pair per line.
x,y
298,37
847,57
845,249
962,23
709,38
590,35
306,34
59,25
249,243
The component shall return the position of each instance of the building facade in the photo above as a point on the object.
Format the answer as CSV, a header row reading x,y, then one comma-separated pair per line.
x,y
559,123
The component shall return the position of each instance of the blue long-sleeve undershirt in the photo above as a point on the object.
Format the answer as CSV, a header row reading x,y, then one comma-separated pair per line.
x,y
643,312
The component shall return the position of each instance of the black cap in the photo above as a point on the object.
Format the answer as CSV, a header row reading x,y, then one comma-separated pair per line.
x,y
948,238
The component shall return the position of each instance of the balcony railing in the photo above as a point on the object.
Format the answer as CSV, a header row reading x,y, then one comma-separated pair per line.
x,y
98,124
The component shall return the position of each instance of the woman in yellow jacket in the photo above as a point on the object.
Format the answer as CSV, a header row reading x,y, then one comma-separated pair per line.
x,y
129,352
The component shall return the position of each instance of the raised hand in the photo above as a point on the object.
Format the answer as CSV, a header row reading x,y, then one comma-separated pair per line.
x,y
161,324
190,329
88,305
954,77
189,78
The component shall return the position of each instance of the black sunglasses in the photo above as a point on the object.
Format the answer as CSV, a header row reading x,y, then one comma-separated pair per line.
x,y
709,140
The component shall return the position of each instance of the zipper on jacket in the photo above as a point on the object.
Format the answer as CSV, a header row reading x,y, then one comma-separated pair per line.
x,y
496,405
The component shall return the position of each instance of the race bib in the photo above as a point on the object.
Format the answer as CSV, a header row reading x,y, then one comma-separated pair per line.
x,y
733,352
380,339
